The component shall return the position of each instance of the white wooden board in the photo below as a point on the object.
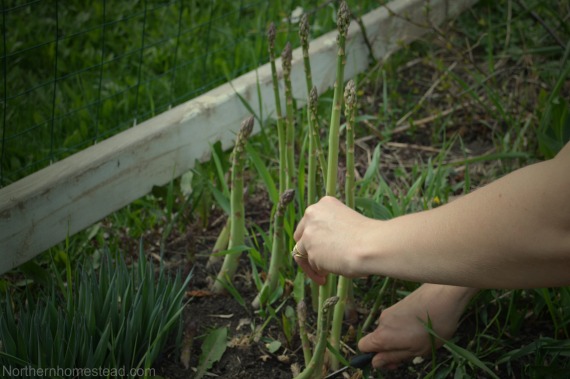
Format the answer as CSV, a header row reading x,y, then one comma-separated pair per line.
x,y
40,210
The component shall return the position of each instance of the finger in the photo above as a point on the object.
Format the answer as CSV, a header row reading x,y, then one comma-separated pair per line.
x,y
302,258
299,230
370,342
384,338
306,267
391,359
392,366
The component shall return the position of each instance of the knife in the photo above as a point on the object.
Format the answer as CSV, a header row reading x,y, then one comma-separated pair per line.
x,y
360,361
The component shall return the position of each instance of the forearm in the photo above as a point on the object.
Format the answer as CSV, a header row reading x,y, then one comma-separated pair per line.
x,y
513,233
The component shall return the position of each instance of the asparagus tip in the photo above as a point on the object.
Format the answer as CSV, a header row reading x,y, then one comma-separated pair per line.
x,y
313,99
246,127
330,302
350,94
286,57
343,18
271,34
286,197
304,28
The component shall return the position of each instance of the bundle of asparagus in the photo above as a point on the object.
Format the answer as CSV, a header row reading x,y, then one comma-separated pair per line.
x,y
330,308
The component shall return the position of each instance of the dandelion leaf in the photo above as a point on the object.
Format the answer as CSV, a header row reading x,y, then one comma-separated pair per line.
x,y
213,349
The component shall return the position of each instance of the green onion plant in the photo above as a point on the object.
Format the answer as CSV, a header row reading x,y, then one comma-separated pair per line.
x,y
118,317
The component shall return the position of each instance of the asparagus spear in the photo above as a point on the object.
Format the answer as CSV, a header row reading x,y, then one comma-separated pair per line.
x,y
304,37
280,122
220,245
343,282
237,216
312,193
343,20
314,368
302,318
277,250
286,57
350,115
312,172
313,114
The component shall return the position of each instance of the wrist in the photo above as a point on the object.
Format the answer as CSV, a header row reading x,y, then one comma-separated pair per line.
x,y
369,256
393,248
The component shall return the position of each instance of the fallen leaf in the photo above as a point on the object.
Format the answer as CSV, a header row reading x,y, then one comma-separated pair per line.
x,y
295,369
199,293
240,341
273,346
283,358
222,316
417,360
265,357
243,322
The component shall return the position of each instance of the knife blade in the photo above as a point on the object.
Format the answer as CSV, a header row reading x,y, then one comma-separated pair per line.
x,y
359,361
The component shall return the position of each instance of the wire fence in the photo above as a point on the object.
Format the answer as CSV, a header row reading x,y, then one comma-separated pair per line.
x,y
76,72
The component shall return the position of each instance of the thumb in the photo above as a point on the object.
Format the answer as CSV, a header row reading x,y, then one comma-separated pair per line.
x,y
369,343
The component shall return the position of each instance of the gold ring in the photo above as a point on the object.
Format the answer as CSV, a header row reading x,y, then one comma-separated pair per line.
x,y
297,253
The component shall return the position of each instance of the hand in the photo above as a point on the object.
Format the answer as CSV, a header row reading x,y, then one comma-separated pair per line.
x,y
331,235
401,334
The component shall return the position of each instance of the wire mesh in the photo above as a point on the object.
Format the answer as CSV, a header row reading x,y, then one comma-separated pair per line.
x,y
76,72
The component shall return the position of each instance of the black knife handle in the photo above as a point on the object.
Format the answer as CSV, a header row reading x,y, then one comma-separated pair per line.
x,y
361,361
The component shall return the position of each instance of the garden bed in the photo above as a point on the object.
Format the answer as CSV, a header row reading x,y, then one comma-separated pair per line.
x,y
453,111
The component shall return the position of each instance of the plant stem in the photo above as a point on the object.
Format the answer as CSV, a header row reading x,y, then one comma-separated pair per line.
x,y
221,244
374,310
343,282
350,114
314,114
343,20
304,37
312,171
305,344
280,121
277,251
237,216
286,57
314,368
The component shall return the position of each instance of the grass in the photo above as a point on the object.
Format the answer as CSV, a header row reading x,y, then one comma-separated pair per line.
x,y
80,72
443,116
